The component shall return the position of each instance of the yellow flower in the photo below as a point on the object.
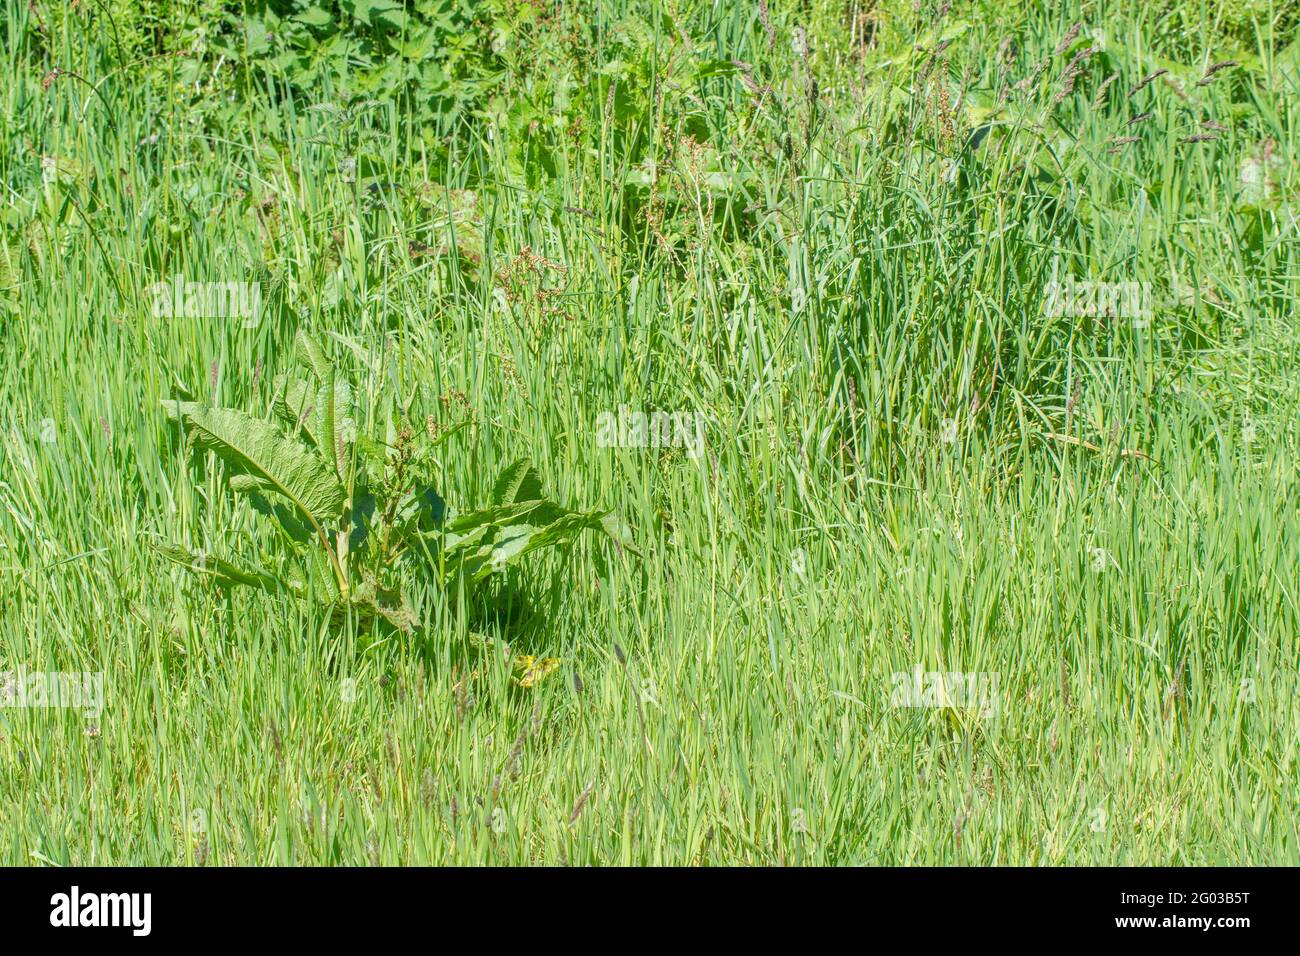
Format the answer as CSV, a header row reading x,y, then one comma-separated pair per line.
x,y
531,670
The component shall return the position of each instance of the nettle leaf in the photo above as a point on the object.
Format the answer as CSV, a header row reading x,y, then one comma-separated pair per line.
x,y
221,571
375,12
259,449
257,37
315,16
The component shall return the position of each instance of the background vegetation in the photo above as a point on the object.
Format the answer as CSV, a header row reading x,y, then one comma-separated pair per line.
x,y
828,227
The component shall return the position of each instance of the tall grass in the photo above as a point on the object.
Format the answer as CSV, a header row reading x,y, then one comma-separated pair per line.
x,y
816,244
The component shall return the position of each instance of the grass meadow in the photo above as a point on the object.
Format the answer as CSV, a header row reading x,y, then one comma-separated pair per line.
x,y
974,326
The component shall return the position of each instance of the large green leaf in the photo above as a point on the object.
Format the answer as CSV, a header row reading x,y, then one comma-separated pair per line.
x,y
490,548
325,415
264,498
259,449
499,515
334,403
519,482
221,571
312,353
315,413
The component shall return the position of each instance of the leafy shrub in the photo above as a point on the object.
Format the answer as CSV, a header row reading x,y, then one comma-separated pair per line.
x,y
435,56
360,515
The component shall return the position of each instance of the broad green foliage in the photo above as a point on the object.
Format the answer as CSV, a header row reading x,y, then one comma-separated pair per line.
x,y
258,453
363,511
435,56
